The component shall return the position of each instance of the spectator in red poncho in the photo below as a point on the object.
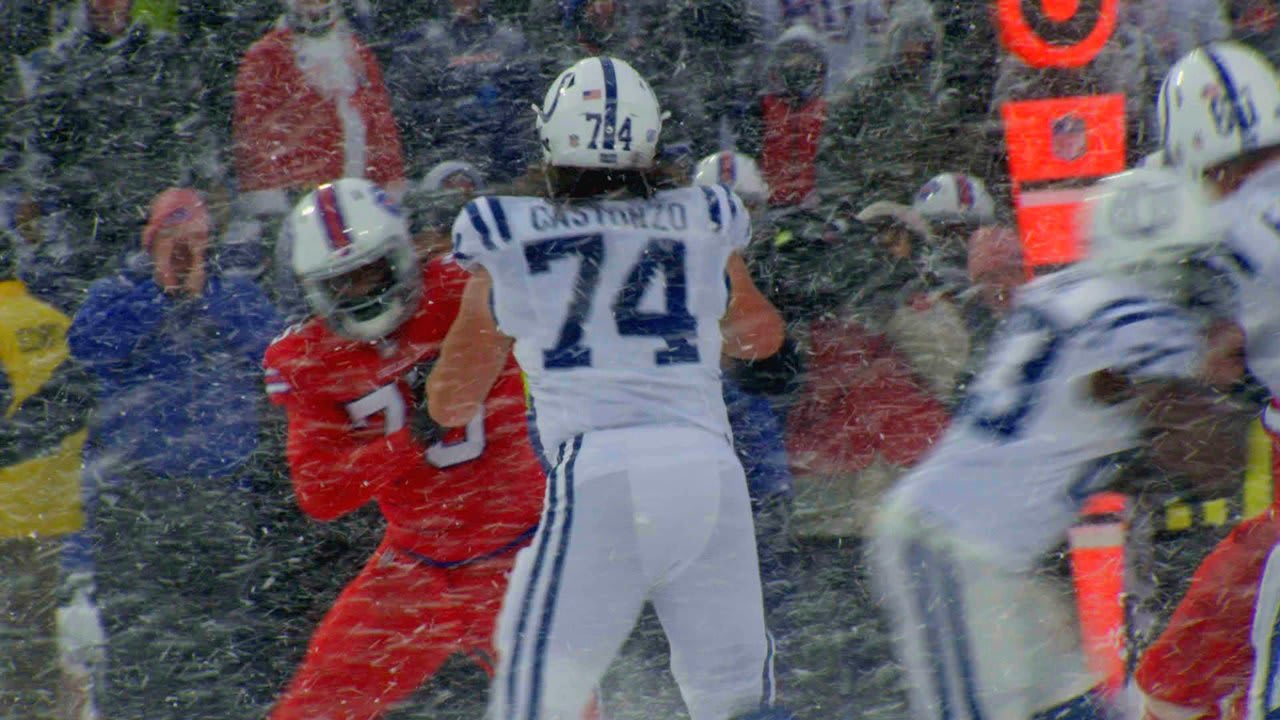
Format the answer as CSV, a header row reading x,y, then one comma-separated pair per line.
x,y
862,417
880,369
311,106
783,125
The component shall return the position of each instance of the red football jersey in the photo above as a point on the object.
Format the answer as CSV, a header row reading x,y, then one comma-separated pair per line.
x,y
1203,659
349,403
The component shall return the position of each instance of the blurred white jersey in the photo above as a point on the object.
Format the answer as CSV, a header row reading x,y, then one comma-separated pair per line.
x,y
614,306
1251,257
1264,686
1029,444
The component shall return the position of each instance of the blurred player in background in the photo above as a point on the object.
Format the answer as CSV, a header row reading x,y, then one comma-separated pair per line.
x,y
1092,379
433,202
620,297
1219,111
458,503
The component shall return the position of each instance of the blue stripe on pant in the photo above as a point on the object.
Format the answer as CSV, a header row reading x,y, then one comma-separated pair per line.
x,y
529,652
766,676
526,603
557,571
939,603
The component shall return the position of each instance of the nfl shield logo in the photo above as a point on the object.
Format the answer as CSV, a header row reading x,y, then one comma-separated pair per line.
x,y
1069,138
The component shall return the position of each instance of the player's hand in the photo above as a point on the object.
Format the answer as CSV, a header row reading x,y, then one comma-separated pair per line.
x,y
423,429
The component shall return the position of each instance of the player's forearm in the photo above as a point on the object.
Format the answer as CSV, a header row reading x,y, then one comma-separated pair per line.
x,y
461,380
753,337
471,358
752,328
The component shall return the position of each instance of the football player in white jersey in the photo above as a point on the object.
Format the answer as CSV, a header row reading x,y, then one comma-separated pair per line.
x,y
620,298
1264,686
1219,112
1056,414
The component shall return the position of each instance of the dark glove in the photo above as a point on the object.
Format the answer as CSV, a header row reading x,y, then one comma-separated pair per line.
x,y
774,375
423,429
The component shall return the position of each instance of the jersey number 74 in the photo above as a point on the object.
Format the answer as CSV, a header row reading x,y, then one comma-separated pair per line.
x,y
677,327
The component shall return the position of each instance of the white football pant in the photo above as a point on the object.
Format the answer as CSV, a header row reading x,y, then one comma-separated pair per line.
x,y
658,514
979,639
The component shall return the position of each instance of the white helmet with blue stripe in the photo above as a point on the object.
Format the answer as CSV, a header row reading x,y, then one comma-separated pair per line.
x,y
350,250
600,114
736,171
1218,102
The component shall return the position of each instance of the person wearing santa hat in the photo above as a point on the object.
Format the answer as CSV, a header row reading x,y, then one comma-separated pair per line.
x,y
174,347
311,106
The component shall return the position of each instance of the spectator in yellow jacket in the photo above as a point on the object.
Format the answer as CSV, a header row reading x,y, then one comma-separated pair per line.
x,y
44,399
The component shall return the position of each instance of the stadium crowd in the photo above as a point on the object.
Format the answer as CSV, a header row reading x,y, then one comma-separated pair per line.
x,y
151,150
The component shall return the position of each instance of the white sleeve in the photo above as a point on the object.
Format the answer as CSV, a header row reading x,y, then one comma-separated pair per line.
x,y
728,215
1263,688
1147,338
480,232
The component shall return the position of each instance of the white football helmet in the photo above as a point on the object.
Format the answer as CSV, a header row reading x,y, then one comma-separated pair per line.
x,y
1218,102
736,171
600,114
351,252
955,197
451,171
1148,219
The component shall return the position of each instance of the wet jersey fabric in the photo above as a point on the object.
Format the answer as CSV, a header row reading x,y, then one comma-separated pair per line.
x,y
475,492
614,305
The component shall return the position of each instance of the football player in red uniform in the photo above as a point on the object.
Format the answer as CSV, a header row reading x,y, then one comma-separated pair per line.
x,y
459,504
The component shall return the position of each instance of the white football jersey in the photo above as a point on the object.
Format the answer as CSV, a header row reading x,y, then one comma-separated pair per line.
x,y
1029,444
614,306
1264,685
1251,257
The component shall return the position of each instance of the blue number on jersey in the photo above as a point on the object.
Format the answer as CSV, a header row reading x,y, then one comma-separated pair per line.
x,y
569,352
1028,349
676,325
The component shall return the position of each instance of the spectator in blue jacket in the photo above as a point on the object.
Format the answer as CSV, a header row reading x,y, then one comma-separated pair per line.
x,y
464,85
175,348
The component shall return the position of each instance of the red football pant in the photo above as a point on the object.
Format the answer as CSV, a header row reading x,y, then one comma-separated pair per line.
x,y
391,630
